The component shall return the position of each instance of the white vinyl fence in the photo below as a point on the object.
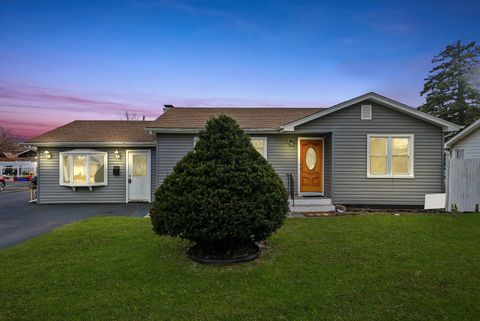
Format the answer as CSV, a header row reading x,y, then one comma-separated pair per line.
x,y
463,192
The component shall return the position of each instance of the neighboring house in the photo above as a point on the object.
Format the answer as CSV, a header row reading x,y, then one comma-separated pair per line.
x,y
18,163
463,169
369,150
466,144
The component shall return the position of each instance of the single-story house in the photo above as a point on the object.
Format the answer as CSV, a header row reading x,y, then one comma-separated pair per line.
x,y
463,170
369,150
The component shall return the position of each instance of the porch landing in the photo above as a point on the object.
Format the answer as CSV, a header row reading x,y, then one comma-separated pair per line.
x,y
311,204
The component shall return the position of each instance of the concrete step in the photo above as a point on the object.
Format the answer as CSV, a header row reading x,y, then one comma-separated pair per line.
x,y
310,201
311,208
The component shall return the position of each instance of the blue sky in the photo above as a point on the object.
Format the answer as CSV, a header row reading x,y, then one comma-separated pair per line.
x,y
66,60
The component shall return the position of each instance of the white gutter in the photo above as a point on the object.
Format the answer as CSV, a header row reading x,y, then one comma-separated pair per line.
x,y
159,130
91,144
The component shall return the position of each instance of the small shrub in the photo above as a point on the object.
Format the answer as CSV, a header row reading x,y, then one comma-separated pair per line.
x,y
223,195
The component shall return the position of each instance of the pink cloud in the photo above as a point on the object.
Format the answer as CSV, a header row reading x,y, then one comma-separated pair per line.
x,y
32,110
25,129
56,99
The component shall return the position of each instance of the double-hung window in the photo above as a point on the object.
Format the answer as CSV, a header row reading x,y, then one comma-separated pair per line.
x,y
260,145
82,167
390,156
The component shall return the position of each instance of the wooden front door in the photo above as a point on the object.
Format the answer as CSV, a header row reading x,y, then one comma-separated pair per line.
x,y
311,166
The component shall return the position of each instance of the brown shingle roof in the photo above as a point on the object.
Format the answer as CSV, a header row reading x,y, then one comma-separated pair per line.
x,y
98,131
247,118
104,131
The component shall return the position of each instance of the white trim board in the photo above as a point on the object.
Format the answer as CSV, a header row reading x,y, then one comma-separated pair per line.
x,y
298,167
447,126
92,144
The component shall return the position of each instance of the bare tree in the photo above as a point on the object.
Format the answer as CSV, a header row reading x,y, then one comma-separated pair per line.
x,y
7,139
128,115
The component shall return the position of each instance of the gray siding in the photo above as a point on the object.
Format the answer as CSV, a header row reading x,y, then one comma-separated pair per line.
x,y
351,185
49,190
283,158
470,144
170,149
328,165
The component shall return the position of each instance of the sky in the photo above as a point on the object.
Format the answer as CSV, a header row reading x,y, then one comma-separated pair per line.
x,y
67,60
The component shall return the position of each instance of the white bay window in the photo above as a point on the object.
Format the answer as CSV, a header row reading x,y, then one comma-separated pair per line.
x,y
82,167
390,156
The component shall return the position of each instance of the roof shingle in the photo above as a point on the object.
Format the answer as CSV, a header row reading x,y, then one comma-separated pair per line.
x,y
247,118
97,131
104,131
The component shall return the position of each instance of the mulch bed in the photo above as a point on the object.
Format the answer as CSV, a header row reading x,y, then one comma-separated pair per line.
x,y
319,214
403,211
240,255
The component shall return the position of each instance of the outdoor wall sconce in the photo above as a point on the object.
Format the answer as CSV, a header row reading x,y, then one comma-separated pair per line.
x,y
290,143
47,154
117,154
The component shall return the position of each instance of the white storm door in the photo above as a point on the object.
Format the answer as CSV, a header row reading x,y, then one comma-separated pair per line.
x,y
138,176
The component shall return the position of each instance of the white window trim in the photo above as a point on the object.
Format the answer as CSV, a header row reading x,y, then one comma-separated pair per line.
x,y
361,112
87,153
265,142
389,155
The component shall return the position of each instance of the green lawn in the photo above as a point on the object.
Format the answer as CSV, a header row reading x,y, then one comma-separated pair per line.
x,y
341,268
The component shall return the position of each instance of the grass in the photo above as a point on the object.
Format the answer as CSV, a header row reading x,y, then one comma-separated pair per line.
x,y
342,268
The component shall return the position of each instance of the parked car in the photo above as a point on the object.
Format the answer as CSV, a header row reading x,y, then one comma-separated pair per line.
x,y
2,184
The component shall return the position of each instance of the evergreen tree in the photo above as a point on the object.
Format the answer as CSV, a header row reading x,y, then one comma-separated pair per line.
x,y
452,88
222,195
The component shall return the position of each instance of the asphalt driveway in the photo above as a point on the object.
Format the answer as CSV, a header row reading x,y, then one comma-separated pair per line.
x,y
20,220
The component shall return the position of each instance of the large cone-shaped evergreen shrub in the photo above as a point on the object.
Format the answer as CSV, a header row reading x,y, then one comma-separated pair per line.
x,y
222,195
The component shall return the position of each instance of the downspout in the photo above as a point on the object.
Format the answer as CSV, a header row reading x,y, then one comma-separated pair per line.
x,y
444,171
156,162
332,179
38,174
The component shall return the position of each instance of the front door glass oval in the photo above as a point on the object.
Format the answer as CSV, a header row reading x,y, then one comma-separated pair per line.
x,y
311,158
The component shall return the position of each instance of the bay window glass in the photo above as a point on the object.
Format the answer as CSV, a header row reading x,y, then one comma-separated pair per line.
x,y
66,168
80,169
390,156
97,168
83,167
